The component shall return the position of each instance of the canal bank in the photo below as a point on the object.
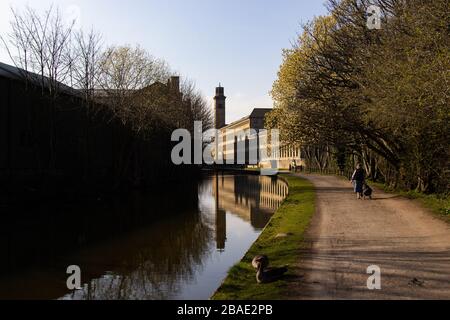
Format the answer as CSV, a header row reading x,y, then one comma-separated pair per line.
x,y
281,241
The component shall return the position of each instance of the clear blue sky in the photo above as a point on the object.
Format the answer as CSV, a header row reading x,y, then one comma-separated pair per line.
x,y
235,42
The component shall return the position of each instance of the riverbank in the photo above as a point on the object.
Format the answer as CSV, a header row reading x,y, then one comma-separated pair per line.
x,y
281,241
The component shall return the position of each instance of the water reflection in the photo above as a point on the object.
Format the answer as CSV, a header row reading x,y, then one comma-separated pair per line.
x,y
253,199
177,244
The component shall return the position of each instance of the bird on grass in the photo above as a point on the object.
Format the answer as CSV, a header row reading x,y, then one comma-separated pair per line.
x,y
260,260
265,274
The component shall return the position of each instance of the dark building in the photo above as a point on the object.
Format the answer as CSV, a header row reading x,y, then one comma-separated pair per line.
x,y
54,144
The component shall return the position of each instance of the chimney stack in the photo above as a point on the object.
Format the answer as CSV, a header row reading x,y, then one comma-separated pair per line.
x,y
174,84
220,107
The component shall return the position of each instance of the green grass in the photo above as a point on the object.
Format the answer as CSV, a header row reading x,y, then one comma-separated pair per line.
x,y
439,204
292,218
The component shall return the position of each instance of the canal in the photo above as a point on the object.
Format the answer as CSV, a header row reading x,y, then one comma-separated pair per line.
x,y
176,243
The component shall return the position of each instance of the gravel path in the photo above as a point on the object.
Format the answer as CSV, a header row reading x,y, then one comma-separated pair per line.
x,y
409,244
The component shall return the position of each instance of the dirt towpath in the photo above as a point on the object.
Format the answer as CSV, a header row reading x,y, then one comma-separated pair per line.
x,y
408,244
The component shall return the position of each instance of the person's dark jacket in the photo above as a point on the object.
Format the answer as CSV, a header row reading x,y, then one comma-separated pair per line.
x,y
359,175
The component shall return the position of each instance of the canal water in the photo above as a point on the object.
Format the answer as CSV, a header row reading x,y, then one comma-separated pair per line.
x,y
175,243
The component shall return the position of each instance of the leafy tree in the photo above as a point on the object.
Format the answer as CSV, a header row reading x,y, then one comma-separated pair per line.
x,y
383,94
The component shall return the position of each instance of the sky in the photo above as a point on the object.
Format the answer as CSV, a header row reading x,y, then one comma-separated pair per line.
x,y
237,43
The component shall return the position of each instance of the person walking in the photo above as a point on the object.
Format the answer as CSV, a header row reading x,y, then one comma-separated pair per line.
x,y
358,180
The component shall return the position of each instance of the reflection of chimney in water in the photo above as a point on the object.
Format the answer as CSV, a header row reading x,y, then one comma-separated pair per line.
x,y
221,229
221,218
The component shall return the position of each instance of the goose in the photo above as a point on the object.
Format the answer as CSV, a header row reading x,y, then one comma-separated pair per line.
x,y
260,260
265,274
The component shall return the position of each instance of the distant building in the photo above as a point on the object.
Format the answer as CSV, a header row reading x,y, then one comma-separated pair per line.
x,y
172,87
56,144
165,98
287,154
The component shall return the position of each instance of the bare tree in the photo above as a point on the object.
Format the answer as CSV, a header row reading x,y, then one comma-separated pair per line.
x,y
39,46
129,78
40,43
197,106
58,43
86,53
18,44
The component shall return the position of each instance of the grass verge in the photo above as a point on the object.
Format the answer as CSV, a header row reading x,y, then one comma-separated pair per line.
x,y
439,204
292,218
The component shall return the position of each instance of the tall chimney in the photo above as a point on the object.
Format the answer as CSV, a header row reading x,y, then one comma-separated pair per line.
x,y
220,107
175,84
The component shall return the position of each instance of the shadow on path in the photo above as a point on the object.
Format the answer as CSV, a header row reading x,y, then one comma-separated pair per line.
x,y
411,247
